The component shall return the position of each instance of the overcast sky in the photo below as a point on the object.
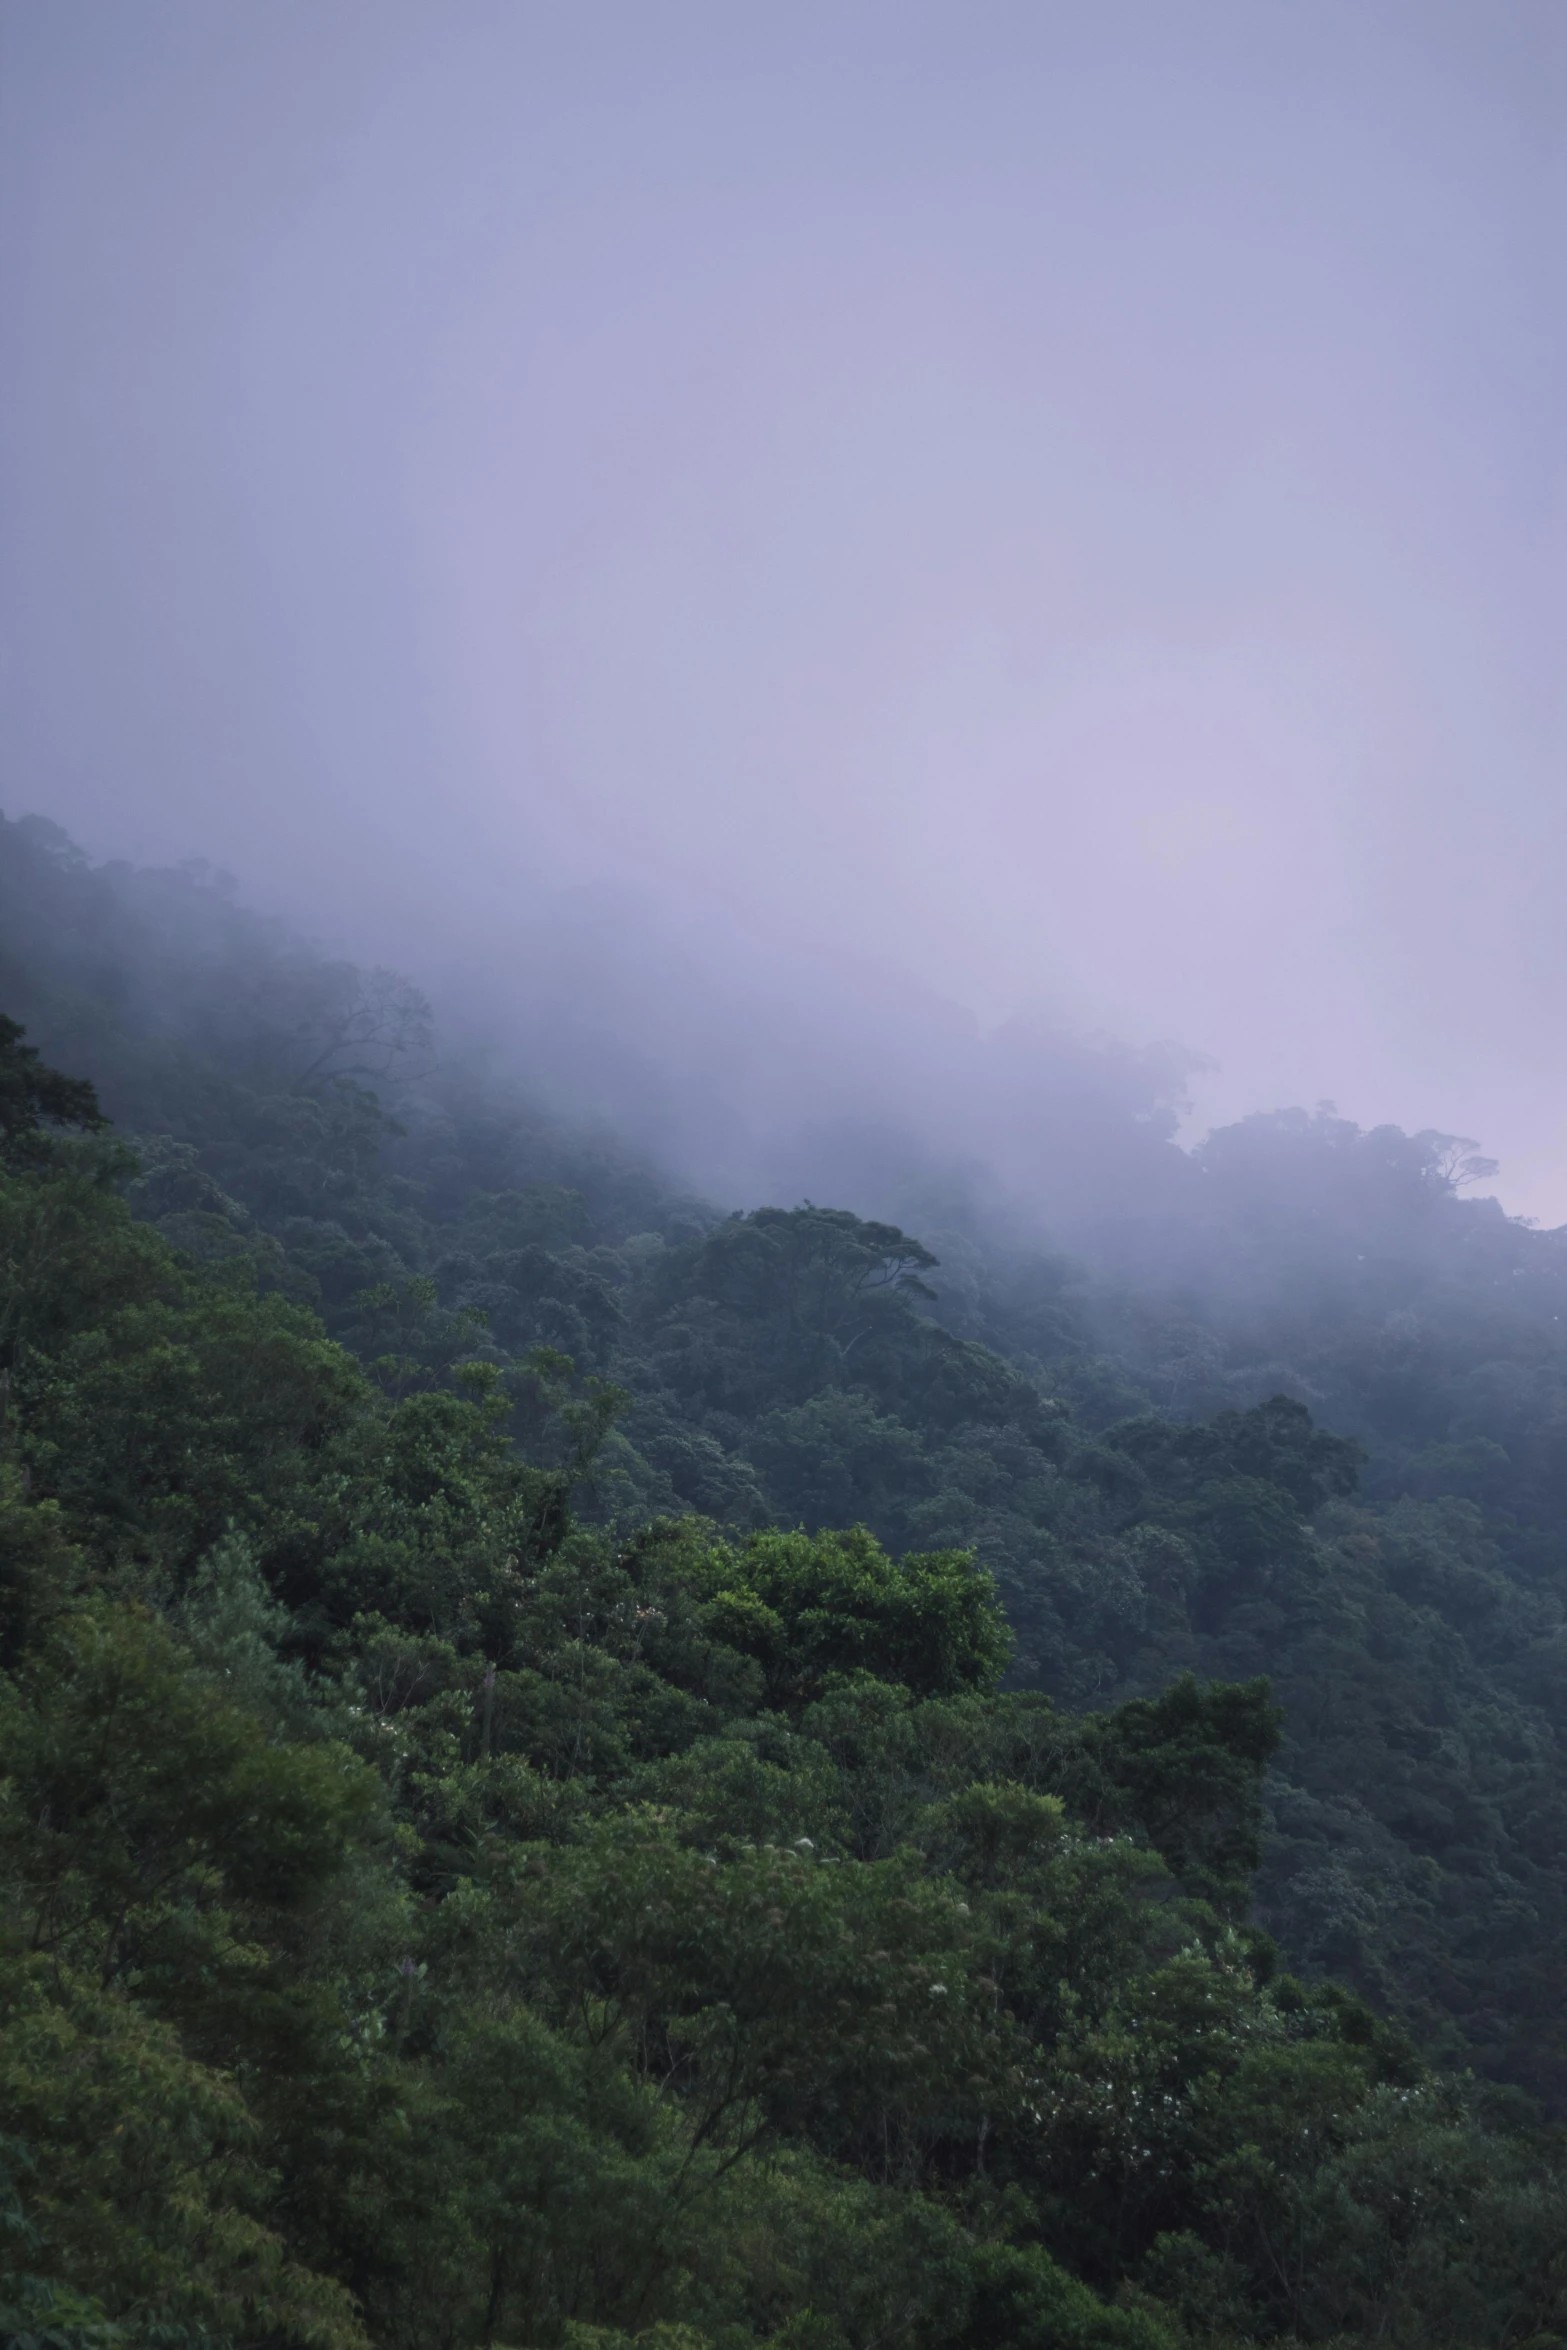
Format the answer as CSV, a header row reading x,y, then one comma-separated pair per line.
x,y
993,507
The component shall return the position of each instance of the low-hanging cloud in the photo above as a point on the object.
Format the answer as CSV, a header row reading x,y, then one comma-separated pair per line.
x,y
797,545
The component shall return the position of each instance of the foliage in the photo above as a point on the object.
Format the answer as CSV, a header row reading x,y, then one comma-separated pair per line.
x,y
34,1098
578,1772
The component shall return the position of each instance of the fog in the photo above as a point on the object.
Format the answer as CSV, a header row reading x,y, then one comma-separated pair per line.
x,y
775,556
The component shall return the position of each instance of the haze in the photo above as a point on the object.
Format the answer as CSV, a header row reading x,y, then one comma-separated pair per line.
x,y
762,546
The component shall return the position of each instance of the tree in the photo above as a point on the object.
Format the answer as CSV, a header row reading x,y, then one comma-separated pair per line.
x,y
34,1099
810,1606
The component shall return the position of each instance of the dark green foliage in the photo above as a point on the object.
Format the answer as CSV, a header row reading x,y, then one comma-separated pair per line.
x,y
34,1098
1276,1445
1183,1769
523,1821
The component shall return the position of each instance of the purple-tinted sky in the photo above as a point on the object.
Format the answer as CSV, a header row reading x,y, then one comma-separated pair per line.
x,y
1062,504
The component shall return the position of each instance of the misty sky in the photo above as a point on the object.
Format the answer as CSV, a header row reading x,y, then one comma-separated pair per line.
x,y
898,513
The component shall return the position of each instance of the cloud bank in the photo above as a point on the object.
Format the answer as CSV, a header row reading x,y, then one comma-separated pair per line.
x,y
792,542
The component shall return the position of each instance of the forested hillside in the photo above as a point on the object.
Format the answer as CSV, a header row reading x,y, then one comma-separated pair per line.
x,y
581,1766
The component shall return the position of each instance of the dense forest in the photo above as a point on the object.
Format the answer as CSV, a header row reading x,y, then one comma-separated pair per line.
x,y
578,1767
